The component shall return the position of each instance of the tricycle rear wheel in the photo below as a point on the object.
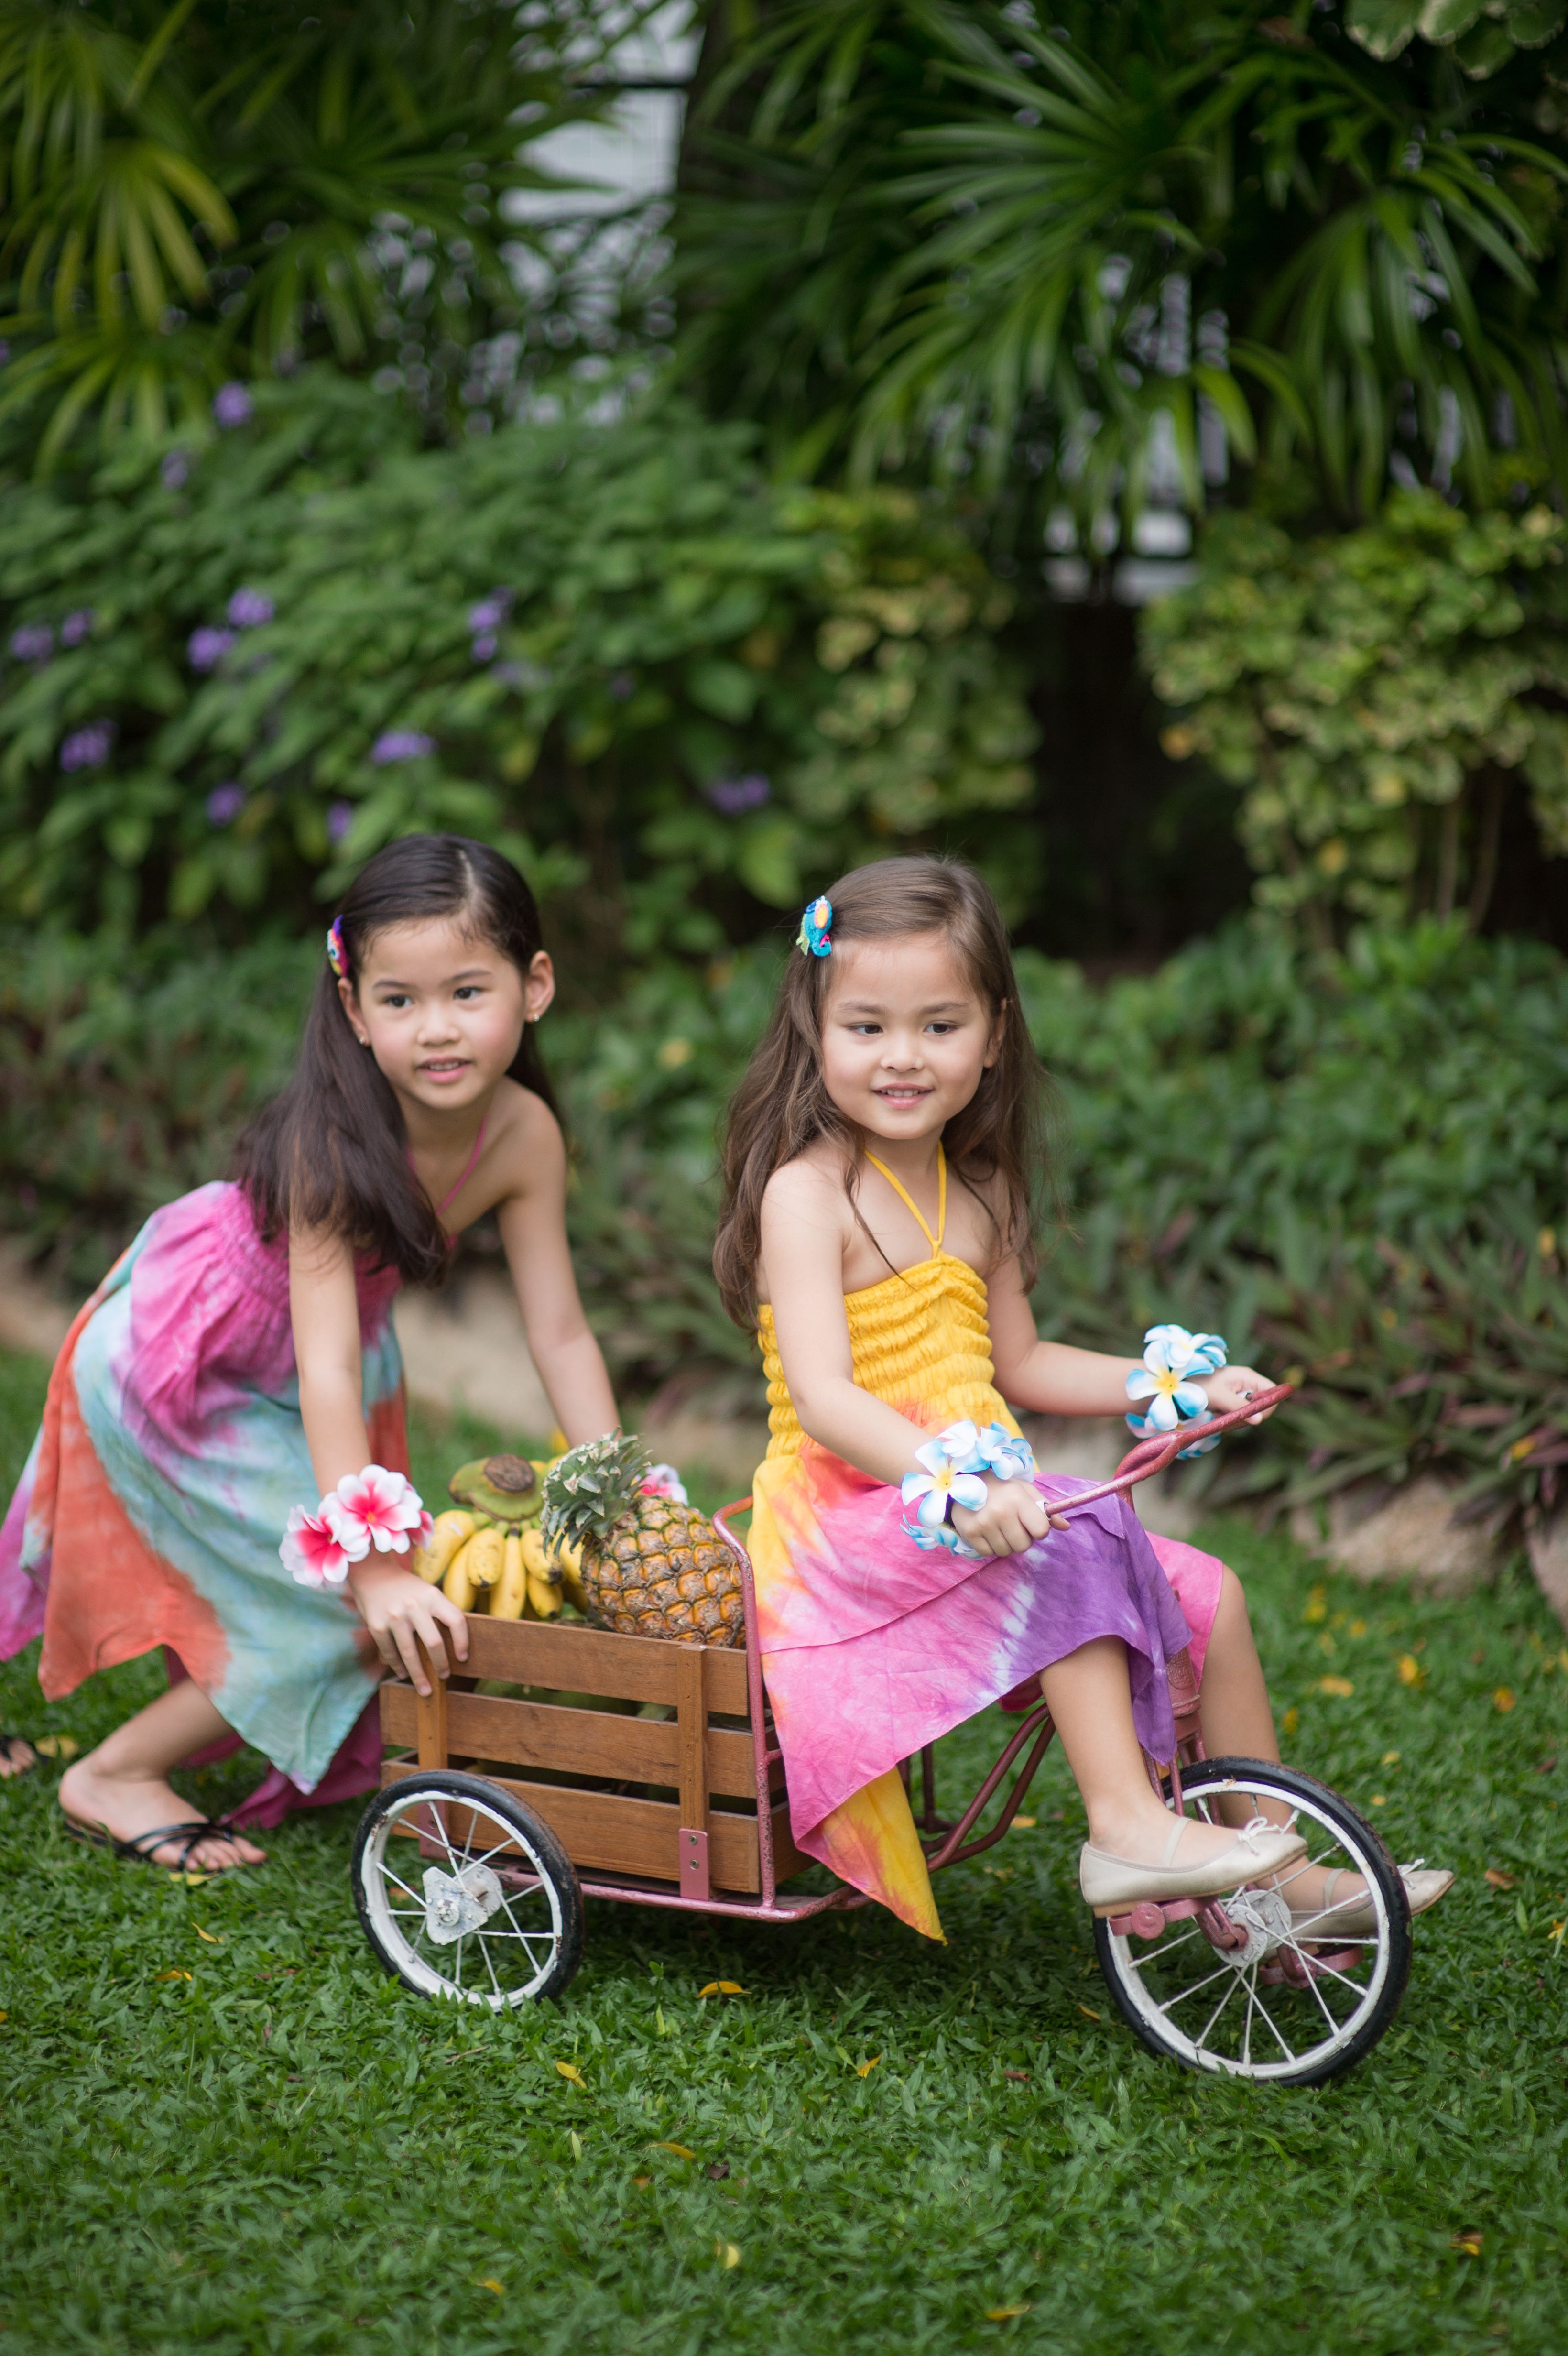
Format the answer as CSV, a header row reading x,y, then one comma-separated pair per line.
x,y
1295,2007
486,1908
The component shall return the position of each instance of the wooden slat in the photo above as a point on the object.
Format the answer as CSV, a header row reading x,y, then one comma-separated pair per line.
x,y
606,1834
571,1741
429,1716
595,1660
691,1729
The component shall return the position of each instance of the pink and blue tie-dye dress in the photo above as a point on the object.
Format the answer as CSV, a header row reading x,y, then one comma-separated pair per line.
x,y
151,1506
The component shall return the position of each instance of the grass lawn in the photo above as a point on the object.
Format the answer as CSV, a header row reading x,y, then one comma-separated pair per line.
x,y
225,2129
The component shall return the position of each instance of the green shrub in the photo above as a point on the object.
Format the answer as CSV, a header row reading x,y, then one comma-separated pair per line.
x,y
606,643
1370,695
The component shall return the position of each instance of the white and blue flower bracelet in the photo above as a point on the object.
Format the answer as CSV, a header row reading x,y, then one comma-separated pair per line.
x,y
954,1462
1174,1360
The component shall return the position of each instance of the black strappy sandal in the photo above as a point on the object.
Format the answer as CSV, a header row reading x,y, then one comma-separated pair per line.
x,y
7,1753
139,1848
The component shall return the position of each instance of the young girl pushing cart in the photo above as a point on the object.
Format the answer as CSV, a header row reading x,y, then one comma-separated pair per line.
x,y
241,1358
876,1233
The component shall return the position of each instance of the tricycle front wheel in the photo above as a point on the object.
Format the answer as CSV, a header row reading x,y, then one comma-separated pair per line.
x,y
465,1892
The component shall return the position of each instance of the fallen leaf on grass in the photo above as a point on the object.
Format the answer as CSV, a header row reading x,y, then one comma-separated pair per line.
x,y
720,1988
1289,1722
1317,1604
642,2182
679,2149
1006,2314
1389,1758
1015,2074
570,2070
1498,1878
212,1937
1088,2011
1409,1671
575,2140
864,2069
193,1881
1025,1824
173,1975
727,2254
1503,1699
1380,1799
55,1746
1341,1687
4,2016
717,2171
1470,2242
1544,1766
488,2282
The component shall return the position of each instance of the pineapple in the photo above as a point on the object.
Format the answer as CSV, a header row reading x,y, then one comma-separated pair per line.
x,y
650,1565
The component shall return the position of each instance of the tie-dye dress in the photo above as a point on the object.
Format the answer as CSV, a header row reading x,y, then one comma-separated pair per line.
x,y
872,1648
151,1506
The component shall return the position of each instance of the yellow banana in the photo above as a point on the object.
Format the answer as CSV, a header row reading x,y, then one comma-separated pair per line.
x,y
458,1584
451,1531
486,1550
510,1592
567,1560
544,1578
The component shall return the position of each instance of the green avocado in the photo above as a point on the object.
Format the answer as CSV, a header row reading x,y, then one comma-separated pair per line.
x,y
508,1488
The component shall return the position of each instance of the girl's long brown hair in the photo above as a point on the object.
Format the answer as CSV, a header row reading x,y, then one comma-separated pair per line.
x,y
782,1105
331,1152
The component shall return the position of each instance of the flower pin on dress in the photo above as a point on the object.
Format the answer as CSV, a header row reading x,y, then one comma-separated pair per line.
x,y
1174,1361
814,936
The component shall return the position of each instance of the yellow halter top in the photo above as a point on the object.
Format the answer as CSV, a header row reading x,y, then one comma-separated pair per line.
x,y
920,1339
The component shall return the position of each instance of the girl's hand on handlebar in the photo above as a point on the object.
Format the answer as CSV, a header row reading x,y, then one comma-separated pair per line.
x,y
402,1613
1232,1386
1014,1516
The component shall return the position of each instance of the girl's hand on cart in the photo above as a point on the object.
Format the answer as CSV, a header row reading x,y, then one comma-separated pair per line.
x,y
402,1614
1014,1517
1232,1386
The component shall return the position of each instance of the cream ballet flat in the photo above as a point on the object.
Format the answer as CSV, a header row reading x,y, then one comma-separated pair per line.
x,y
1353,1917
1110,1883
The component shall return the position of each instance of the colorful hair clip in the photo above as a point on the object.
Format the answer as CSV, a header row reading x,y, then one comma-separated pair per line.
x,y
337,950
813,939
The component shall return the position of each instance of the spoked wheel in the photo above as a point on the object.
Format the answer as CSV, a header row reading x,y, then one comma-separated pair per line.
x,y
1254,1984
481,1903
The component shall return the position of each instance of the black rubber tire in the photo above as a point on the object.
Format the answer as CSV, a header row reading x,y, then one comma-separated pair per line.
x,y
1371,1857
544,1856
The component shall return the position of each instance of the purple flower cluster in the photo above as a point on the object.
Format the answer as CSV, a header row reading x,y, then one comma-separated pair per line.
x,y
736,796
232,405
400,744
175,471
34,642
486,620
224,804
77,626
339,819
207,647
250,608
88,747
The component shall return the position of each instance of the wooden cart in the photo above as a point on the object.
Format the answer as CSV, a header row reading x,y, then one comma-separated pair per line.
x,y
499,1814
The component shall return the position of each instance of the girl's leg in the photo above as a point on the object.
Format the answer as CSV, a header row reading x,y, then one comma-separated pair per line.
x,y
1238,1722
1090,1699
123,1787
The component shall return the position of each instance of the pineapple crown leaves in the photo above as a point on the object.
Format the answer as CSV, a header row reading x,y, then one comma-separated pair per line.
x,y
591,1488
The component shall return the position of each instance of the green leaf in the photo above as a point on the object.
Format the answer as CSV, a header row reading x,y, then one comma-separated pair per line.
x,y
768,862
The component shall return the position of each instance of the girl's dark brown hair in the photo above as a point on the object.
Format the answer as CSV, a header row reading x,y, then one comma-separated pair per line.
x,y
996,1143
331,1152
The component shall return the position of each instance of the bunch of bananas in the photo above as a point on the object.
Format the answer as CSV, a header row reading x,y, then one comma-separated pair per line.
x,y
488,1554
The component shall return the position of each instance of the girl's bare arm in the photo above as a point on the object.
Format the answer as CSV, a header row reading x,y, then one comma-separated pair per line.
x,y
532,1219
1052,1378
397,1607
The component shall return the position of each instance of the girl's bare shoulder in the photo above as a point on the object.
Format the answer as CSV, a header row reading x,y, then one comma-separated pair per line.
x,y
811,1187
523,1140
